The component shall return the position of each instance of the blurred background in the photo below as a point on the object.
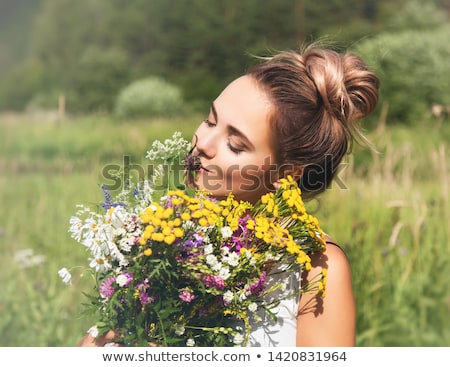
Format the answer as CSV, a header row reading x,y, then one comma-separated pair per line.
x,y
88,83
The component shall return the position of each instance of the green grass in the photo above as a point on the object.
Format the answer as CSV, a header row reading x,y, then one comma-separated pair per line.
x,y
390,212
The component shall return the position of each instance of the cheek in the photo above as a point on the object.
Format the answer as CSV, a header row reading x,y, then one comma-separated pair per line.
x,y
249,178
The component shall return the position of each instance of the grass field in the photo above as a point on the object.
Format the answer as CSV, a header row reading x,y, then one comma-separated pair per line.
x,y
390,211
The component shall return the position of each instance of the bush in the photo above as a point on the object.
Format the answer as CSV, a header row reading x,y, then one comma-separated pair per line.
x,y
19,86
149,97
413,67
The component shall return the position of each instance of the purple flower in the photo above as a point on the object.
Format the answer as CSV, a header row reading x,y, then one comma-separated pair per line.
x,y
106,288
258,287
107,204
213,281
195,242
145,298
191,164
186,295
241,235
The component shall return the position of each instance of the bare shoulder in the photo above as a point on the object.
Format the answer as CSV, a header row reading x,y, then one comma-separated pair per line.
x,y
328,320
334,260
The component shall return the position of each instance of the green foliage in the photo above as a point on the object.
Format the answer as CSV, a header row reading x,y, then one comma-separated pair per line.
x,y
413,67
199,45
44,101
149,97
100,76
19,86
418,15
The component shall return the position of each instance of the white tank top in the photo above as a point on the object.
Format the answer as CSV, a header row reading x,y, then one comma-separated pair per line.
x,y
281,332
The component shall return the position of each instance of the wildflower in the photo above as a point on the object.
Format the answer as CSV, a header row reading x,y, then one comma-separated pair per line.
x,y
186,295
232,259
190,342
213,281
65,275
106,288
238,339
27,258
168,149
227,297
123,280
179,330
226,232
258,287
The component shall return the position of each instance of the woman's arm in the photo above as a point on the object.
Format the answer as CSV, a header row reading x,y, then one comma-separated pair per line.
x,y
328,321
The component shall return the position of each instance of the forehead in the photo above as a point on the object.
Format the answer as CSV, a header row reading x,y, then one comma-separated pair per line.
x,y
244,105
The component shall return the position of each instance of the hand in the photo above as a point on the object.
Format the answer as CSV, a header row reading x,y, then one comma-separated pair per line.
x,y
92,339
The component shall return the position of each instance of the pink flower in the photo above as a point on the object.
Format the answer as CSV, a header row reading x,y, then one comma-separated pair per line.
x,y
258,287
186,295
106,288
213,281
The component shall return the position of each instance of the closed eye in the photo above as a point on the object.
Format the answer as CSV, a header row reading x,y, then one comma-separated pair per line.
x,y
234,149
209,123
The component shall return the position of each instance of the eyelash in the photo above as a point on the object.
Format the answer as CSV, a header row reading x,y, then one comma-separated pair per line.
x,y
233,149
209,123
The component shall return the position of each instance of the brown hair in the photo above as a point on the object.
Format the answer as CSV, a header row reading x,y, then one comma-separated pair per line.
x,y
319,94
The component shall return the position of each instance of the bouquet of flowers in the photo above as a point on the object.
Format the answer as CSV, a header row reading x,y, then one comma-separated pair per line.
x,y
187,269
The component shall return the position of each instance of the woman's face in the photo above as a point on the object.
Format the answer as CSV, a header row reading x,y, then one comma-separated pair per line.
x,y
234,143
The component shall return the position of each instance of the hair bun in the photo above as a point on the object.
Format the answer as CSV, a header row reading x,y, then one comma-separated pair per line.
x,y
361,85
345,87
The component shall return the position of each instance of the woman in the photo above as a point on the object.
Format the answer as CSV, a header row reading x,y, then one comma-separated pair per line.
x,y
293,114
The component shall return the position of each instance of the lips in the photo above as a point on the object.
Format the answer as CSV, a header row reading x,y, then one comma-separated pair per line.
x,y
204,169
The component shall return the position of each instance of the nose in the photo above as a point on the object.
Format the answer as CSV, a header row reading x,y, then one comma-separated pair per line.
x,y
206,142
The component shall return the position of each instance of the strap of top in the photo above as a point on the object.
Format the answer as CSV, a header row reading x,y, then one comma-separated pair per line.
x,y
328,242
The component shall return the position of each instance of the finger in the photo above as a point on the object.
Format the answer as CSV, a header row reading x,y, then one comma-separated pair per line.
x,y
87,341
92,339
107,338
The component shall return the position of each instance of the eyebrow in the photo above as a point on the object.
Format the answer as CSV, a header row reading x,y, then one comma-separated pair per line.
x,y
233,130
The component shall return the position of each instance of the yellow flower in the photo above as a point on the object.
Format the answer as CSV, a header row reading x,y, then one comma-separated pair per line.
x,y
148,252
166,231
167,213
169,239
159,237
193,207
212,220
178,232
